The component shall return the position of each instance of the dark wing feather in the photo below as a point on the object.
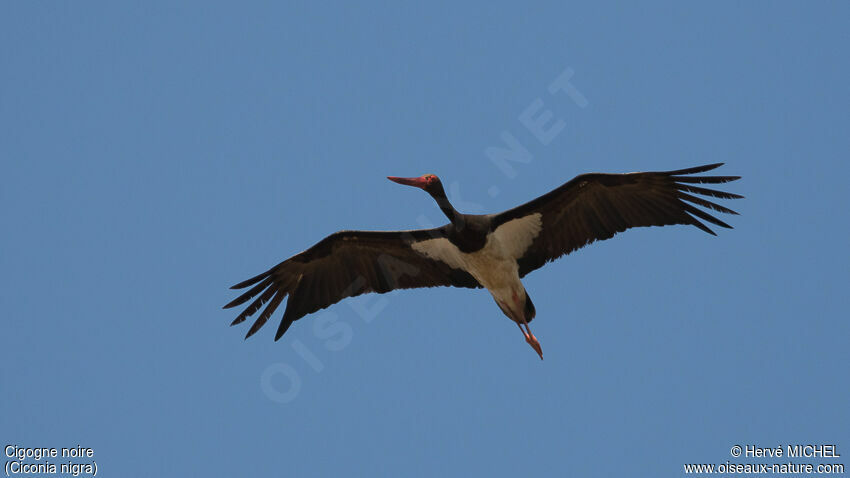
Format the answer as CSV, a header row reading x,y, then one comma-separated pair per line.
x,y
594,207
345,264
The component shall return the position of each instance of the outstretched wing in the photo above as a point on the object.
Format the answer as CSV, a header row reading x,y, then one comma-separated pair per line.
x,y
596,206
345,264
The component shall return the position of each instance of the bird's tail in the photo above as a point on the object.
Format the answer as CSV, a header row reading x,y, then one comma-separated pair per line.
x,y
529,308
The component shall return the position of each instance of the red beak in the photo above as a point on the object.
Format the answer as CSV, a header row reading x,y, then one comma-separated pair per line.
x,y
418,182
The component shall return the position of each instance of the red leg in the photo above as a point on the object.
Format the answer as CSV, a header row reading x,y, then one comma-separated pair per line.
x,y
530,338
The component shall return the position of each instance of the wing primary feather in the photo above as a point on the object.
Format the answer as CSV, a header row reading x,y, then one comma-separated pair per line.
x,y
700,225
302,298
254,279
704,179
250,294
694,170
267,312
705,203
282,328
254,307
708,192
705,216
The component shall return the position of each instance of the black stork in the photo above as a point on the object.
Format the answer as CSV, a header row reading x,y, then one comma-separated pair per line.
x,y
493,251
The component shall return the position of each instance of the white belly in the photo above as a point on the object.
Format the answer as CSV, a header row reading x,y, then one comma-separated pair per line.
x,y
491,268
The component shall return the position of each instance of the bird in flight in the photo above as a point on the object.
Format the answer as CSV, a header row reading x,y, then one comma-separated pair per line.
x,y
493,251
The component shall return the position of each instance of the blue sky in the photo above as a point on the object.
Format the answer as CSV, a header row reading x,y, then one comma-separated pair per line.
x,y
153,154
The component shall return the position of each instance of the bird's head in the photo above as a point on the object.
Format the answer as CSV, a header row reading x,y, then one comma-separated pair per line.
x,y
428,182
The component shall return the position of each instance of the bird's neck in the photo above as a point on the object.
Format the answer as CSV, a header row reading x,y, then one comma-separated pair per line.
x,y
440,197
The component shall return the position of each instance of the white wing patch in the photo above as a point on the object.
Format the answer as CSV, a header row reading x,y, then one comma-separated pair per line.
x,y
441,250
516,235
